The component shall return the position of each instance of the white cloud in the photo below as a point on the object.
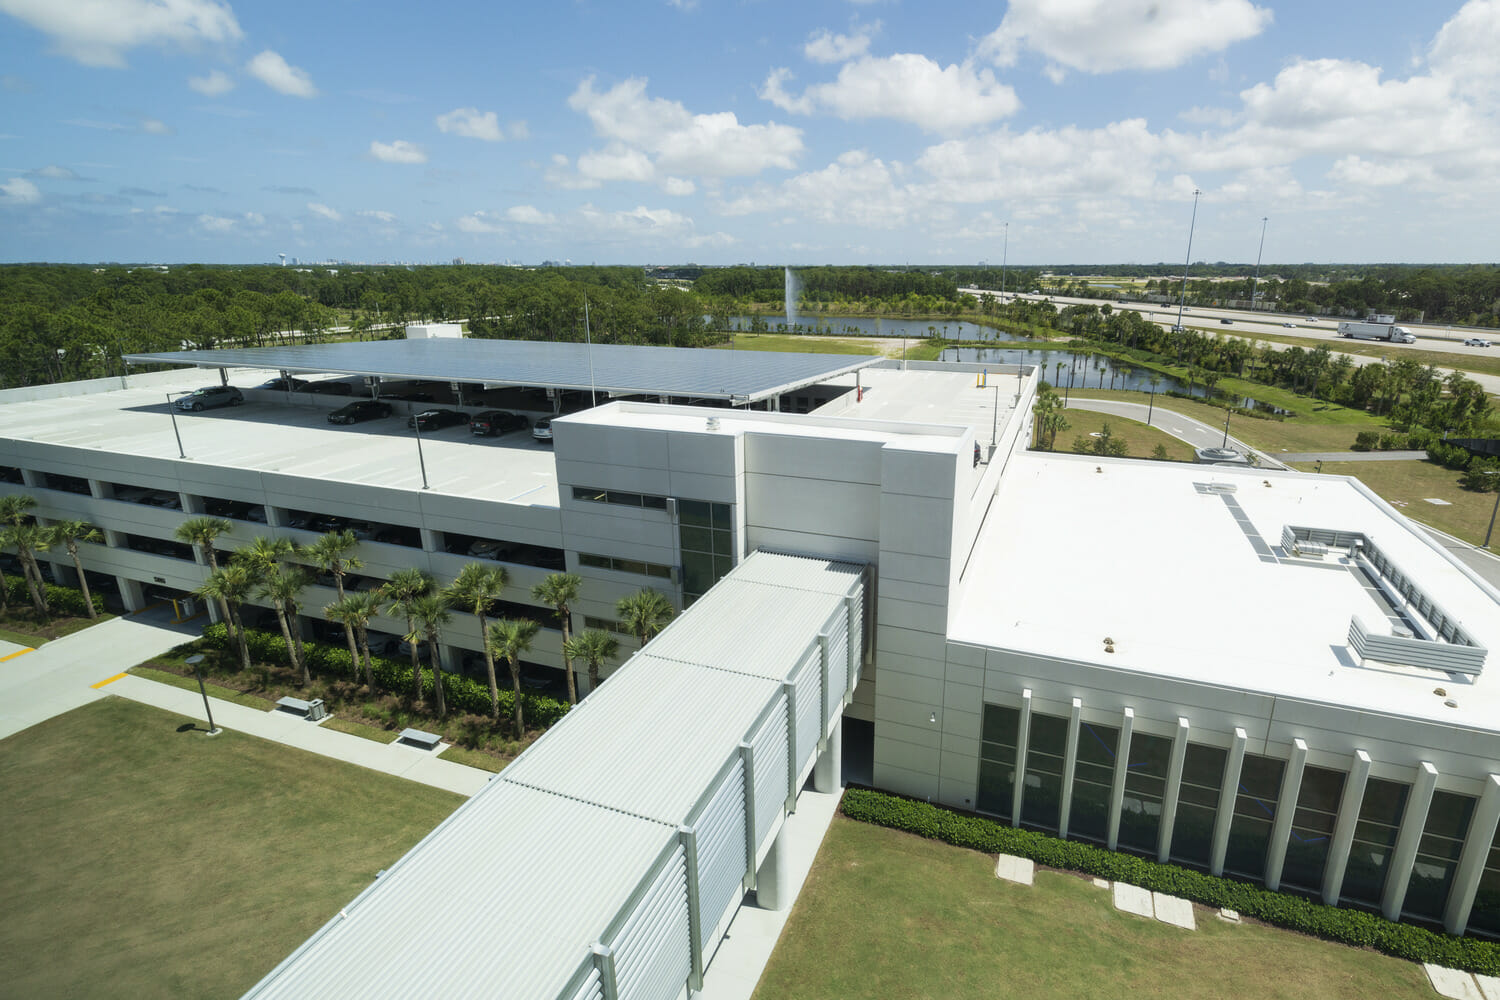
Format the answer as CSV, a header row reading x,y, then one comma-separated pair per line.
x,y
1102,36
907,87
273,71
471,123
1464,49
529,215
560,174
399,151
19,191
680,142
519,129
215,83
153,126
100,32
826,47
378,215
856,189
679,187
215,223
616,163
318,208
255,218
479,222
54,173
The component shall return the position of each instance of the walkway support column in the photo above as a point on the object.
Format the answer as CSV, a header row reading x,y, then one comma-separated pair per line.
x,y
828,772
772,881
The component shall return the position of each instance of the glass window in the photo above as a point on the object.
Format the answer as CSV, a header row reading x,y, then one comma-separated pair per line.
x,y
694,513
1197,804
1437,854
1485,915
697,539
653,503
1093,777
1254,812
1374,837
1312,827
1145,780
697,572
588,493
664,572
720,514
623,499
1041,802
997,760
723,543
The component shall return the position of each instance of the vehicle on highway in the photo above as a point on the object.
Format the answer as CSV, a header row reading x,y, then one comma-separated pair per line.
x,y
496,422
1476,342
360,409
332,387
1378,328
1227,322
287,384
542,430
1290,326
431,420
210,396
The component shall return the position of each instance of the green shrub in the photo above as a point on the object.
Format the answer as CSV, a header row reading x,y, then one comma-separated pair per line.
x,y
1366,441
1449,456
1354,927
64,601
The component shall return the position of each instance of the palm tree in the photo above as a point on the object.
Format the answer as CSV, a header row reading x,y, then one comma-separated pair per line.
x,y
202,531
644,613
1151,407
331,554
594,646
232,585
264,556
403,588
431,612
69,534
15,510
357,609
510,637
473,589
559,590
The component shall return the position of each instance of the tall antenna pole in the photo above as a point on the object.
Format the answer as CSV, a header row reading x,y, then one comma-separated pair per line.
x,y
1256,283
1188,262
589,341
1004,253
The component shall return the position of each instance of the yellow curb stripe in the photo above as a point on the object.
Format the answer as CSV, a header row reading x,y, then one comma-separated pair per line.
x,y
108,680
19,652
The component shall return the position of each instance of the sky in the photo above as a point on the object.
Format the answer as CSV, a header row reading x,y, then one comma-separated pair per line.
x,y
730,131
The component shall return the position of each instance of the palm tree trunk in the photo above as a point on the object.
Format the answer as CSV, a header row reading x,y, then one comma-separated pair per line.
x,y
416,663
4,595
437,674
83,583
240,638
33,580
286,633
565,615
489,665
593,675
364,651
296,623
231,621
515,688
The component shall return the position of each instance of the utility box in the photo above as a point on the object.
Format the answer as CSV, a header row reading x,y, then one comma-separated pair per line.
x,y
315,710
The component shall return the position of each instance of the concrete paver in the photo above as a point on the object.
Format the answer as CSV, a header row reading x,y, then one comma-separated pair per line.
x,y
1489,986
1174,910
1014,869
1452,983
1134,899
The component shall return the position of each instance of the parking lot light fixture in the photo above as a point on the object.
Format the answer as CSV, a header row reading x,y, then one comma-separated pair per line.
x,y
196,662
172,412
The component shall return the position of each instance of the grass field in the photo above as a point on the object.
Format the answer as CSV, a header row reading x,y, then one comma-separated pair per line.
x,y
21,625
1331,428
1140,440
916,350
889,916
1407,487
144,859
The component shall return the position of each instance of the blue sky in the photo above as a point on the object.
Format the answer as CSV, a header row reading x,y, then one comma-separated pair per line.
x,y
722,131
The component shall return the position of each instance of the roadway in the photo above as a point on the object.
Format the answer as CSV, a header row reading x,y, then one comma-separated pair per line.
x,y
1446,340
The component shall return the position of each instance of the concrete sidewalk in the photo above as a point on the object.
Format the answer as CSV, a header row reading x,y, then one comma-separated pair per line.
x,y
404,761
1194,432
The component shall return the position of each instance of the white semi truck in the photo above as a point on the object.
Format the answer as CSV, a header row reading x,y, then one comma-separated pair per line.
x,y
1378,328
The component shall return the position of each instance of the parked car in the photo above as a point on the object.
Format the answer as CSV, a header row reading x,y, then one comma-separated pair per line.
x,y
161,498
1476,342
209,397
542,429
484,548
329,387
287,384
496,422
431,420
327,522
360,409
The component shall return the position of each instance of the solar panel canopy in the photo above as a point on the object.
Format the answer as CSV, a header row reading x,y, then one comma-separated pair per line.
x,y
740,376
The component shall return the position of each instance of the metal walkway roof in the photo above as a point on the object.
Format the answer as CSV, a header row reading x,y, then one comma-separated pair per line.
x,y
740,376
570,869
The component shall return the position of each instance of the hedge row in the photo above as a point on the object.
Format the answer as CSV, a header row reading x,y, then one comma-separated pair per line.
x,y
64,601
1354,927
461,693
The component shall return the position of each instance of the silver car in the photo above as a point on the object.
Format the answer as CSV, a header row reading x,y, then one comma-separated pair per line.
x,y
209,397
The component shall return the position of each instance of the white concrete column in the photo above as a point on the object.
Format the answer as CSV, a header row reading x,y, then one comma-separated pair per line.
x,y
1070,765
34,479
273,517
132,594
772,881
1398,874
1471,862
1117,786
1171,791
1229,790
101,490
1343,828
828,770
192,504
432,540
1023,737
1286,811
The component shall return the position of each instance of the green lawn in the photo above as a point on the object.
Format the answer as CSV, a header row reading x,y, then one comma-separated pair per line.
x,y
21,625
145,859
1324,427
1407,486
890,916
791,343
1140,440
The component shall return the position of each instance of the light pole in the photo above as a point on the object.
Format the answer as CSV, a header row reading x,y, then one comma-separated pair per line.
x,y
196,662
172,411
1256,282
1227,414
1188,262
416,424
1491,530
1004,253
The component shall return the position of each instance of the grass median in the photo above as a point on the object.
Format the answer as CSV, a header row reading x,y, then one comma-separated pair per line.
x,y
885,914
1411,486
144,858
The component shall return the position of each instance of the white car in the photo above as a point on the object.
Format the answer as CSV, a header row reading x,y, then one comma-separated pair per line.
x,y
1476,342
542,429
1290,326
